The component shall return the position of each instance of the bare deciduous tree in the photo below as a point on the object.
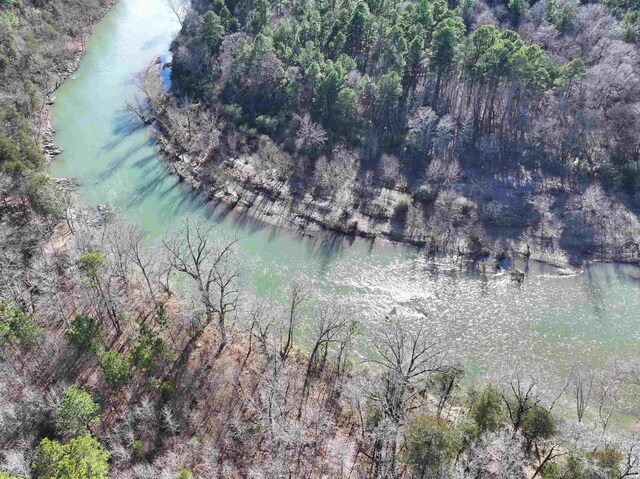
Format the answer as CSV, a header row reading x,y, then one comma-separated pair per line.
x,y
582,382
179,8
630,464
194,252
499,453
137,107
310,134
443,173
631,372
607,399
520,393
330,322
262,324
298,295
444,385
134,238
406,358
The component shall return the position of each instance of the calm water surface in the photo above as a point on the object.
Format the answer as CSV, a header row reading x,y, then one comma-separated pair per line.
x,y
551,319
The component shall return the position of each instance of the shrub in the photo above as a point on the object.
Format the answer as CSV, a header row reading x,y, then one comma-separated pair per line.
x,y
572,468
14,168
425,195
8,152
137,450
401,209
468,431
607,459
34,156
184,474
149,347
142,358
266,124
233,113
629,179
8,20
375,415
167,390
161,318
17,327
91,263
565,17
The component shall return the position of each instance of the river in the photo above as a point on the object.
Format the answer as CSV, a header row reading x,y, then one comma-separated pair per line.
x,y
550,319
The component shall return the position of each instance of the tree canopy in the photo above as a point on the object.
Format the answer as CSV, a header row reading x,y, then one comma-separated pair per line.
x,y
77,412
80,458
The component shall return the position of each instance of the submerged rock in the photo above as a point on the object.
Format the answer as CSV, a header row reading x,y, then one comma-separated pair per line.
x,y
517,276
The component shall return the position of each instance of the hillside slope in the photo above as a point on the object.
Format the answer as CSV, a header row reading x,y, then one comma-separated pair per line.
x,y
471,127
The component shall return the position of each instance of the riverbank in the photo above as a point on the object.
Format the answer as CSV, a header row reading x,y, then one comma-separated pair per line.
x,y
175,392
541,219
46,131
234,180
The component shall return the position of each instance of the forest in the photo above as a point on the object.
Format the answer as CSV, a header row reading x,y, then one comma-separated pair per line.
x,y
475,127
123,357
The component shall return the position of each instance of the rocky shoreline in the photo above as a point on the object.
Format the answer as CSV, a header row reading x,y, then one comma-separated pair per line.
x,y
270,203
277,204
247,196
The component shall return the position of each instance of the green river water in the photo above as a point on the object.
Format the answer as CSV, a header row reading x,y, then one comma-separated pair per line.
x,y
550,319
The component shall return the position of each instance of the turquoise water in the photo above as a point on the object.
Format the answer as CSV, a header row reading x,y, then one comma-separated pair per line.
x,y
488,320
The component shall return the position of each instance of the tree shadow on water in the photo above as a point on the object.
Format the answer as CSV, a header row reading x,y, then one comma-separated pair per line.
x,y
117,163
124,124
151,186
146,162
